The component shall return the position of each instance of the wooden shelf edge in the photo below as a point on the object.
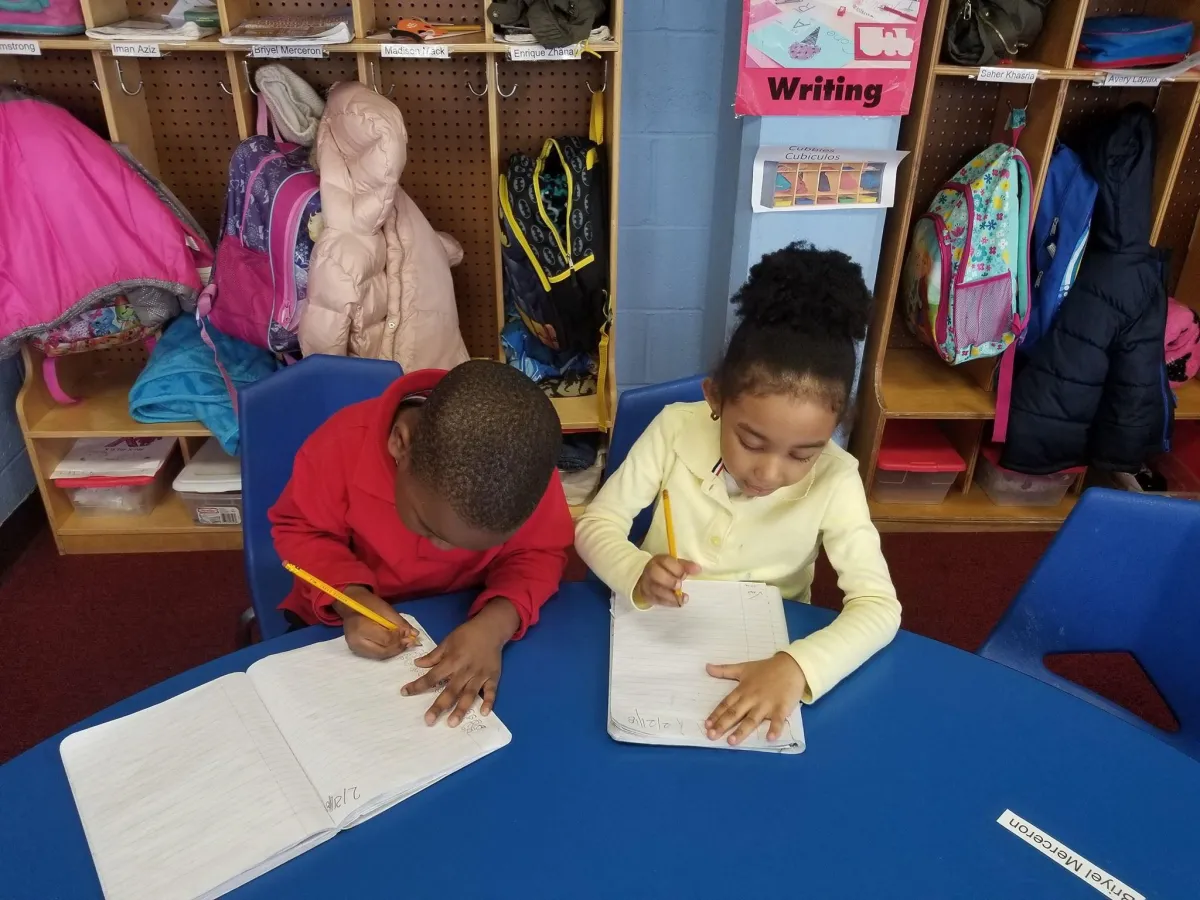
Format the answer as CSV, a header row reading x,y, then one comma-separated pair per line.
x,y
578,413
213,44
972,511
1049,73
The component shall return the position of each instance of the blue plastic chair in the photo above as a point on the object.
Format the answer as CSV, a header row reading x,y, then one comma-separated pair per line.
x,y
275,416
636,409
1120,575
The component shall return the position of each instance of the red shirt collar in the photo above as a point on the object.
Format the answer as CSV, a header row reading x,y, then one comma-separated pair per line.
x,y
375,462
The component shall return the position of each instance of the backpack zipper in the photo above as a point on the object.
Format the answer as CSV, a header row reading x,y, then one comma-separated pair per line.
x,y
984,18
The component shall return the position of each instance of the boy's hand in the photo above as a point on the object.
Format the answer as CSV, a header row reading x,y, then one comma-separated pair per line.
x,y
366,638
467,663
768,689
660,580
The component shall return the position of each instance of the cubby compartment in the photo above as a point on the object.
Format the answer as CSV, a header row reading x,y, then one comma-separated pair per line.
x,y
65,77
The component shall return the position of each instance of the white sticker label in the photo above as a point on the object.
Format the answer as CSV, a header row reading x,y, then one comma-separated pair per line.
x,y
1108,885
218,515
287,51
1126,79
146,51
20,48
1007,75
541,54
414,51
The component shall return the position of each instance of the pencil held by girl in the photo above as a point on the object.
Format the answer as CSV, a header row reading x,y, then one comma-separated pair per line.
x,y
757,487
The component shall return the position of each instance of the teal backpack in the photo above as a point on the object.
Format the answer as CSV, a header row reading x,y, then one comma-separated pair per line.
x,y
966,279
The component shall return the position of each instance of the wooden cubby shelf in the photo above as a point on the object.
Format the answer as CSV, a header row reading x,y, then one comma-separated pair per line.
x,y
953,117
182,114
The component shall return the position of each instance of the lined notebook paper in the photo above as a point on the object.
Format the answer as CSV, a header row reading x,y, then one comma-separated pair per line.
x,y
208,790
658,689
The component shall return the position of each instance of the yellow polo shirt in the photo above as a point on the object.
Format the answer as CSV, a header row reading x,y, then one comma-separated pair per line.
x,y
772,539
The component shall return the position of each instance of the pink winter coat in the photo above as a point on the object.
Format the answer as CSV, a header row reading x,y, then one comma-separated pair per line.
x,y
379,280
80,226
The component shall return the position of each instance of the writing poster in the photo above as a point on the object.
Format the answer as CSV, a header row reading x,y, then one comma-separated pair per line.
x,y
828,57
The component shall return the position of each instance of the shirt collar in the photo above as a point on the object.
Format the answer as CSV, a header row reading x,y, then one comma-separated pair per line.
x,y
376,467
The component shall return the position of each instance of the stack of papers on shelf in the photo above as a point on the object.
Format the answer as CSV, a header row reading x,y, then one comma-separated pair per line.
x,y
658,689
291,30
152,29
114,458
204,792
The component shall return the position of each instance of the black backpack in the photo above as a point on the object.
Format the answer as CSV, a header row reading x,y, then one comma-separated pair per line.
x,y
554,243
982,32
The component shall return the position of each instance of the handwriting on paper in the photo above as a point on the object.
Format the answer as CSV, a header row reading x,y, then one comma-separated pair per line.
x,y
345,798
655,724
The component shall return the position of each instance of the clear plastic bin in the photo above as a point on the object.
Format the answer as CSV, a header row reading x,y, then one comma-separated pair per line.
x,y
214,509
1005,487
917,464
117,499
210,485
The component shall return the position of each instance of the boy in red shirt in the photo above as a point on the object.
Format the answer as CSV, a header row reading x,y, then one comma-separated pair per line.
x,y
444,482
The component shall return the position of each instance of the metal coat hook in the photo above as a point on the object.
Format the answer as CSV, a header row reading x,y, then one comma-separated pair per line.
x,y
471,88
604,86
249,79
96,85
375,82
500,90
221,85
121,81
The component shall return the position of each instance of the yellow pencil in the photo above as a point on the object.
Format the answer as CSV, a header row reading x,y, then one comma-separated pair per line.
x,y
670,523
342,598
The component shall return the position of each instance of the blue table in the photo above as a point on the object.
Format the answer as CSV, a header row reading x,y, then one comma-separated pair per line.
x,y
909,764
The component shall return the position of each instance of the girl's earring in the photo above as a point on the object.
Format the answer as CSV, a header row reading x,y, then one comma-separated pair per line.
x,y
715,416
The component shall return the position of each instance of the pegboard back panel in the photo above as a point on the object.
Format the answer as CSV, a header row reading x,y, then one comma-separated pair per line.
x,y
1086,104
195,129
447,174
1186,9
149,7
960,126
63,77
551,100
255,8
453,12
322,74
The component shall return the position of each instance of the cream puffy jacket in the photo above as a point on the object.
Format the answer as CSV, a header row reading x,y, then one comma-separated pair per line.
x,y
379,281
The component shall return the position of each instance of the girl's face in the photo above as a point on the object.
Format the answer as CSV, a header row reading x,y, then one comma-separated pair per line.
x,y
770,441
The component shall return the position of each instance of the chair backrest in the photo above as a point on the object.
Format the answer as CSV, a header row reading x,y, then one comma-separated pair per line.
x,y
636,409
275,416
1120,575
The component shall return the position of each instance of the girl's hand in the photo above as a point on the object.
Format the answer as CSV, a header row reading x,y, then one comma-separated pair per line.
x,y
661,579
767,689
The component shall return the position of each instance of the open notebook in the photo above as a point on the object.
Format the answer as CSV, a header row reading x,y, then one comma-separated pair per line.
x,y
210,789
658,690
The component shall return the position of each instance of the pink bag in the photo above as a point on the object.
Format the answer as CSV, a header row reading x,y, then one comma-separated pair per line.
x,y
1182,342
41,17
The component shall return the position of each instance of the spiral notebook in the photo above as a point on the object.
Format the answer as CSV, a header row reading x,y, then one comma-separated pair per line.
x,y
208,790
658,689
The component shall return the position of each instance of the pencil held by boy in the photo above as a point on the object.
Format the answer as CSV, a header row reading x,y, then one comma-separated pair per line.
x,y
756,487
445,482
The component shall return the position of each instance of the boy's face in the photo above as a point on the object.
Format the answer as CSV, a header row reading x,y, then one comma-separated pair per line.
x,y
419,506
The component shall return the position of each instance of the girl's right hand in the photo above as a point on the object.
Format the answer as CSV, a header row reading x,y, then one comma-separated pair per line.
x,y
662,582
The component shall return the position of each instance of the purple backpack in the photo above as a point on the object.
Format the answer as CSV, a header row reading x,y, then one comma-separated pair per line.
x,y
260,277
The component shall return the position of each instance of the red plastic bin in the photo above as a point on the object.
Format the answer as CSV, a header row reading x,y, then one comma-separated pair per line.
x,y
917,464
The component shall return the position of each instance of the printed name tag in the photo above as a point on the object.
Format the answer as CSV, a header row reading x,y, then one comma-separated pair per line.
x,y
287,51
20,48
1126,79
541,54
414,51
1007,75
1110,887
143,50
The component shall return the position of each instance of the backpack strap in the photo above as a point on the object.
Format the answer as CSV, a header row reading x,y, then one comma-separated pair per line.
x,y
287,211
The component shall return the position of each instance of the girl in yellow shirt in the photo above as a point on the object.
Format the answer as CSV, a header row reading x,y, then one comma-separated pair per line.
x,y
758,487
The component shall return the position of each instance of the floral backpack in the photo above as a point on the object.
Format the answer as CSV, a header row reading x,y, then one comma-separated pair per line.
x,y
966,279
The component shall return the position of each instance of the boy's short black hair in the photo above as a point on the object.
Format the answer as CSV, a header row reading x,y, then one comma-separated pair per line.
x,y
487,442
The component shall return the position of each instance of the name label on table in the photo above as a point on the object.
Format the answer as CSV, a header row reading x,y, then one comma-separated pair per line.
x,y
145,51
287,51
20,48
1007,75
414,51
1108,885
542,54
1126,79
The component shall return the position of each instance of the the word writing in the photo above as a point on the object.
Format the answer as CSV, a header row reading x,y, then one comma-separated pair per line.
x,y
826,90
287,51
337,801
144,51
1106,884
414,51
20,48
1007,75
542,54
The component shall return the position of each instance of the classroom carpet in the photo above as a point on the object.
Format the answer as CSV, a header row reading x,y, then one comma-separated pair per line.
x,y
82,632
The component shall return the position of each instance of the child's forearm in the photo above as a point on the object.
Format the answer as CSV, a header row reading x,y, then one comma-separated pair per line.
x,y
602,541
864,627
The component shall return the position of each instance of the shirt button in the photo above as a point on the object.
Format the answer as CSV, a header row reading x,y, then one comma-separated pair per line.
x,y
715,541
391,326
